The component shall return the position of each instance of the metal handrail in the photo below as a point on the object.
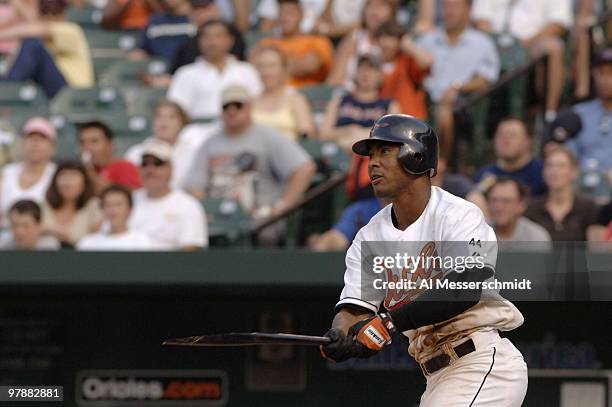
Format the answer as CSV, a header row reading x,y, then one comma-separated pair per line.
x,y
308,197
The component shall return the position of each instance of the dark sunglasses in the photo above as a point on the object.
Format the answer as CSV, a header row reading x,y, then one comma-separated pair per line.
x,y
152,161
237,105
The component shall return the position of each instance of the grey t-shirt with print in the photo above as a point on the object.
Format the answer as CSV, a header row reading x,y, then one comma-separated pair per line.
x,y
251,167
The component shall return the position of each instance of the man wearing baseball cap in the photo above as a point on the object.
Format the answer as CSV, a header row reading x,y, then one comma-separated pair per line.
x,y
593,144
30,178
256,165
173,219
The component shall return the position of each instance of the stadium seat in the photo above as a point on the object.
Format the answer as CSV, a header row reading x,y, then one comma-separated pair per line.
x,y
228,223
104,43
145,101
20,101
318,96
328,156
86,17
125,73
76,105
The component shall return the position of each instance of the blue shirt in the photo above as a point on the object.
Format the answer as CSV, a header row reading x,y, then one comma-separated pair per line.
x,y
356,216
530,175
474,53
595,139
164,34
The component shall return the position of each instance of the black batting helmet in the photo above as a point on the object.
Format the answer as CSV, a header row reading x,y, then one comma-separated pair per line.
x,y
418,142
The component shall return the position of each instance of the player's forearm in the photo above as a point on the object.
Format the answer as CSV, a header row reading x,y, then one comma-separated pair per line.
x,y
347,317
437,305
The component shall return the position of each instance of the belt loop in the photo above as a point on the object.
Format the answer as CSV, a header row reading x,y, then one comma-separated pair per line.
x,y
448,349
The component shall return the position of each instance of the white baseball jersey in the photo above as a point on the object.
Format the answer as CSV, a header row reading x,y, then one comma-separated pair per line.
x,y
449,227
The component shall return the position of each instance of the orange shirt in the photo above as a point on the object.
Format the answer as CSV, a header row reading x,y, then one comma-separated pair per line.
x,y
299,46
136,15
404,84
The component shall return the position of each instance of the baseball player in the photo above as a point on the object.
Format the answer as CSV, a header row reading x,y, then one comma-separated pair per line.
x,y
453,333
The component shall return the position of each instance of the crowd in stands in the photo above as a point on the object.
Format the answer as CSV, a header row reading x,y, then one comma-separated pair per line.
x,y
233,114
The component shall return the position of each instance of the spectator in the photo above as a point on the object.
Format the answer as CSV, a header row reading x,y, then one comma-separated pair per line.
x,y
593,141
71,210
27,59
350,117
203,11
353,218
310,56
117,206
507,202
65,41
166,32
457,184
268,12
513,145
170,217
97,152
339,18
280,106
256,165
27,231
405,66
361,41
564,214
129,14
603,230
170,125
32,62
197,87
540,26
30,178
465,61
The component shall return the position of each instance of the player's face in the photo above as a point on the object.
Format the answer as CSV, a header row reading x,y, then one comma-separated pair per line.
x,y
505,204
38,148
388,177
26,230
116,208
93,141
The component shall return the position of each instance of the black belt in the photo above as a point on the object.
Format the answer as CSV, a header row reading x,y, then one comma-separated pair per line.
x,y
443,360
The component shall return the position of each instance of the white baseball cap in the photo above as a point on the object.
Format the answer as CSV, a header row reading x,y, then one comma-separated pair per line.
x,y
158,149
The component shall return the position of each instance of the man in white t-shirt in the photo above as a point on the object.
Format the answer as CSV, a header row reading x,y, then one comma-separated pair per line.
x,y
116,235
197,87
454,331
30,178
540,26
171,217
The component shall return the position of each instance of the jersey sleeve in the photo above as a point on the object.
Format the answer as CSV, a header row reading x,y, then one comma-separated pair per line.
x,y
355,291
